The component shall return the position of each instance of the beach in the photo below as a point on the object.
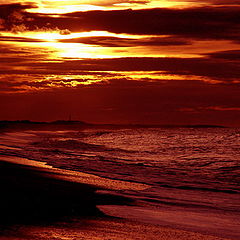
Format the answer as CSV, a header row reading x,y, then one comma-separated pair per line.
x,y
41,202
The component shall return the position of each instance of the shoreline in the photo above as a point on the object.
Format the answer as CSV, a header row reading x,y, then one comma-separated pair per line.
x,y
38,201
32,195
101,228
34,192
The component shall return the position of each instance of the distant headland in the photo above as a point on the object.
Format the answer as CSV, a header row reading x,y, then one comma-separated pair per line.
x,y
69,124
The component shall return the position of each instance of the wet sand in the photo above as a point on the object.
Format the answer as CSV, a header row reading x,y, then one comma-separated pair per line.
x,y
39,202
100,229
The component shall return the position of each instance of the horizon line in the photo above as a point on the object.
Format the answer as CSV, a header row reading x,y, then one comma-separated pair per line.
x,y
113,124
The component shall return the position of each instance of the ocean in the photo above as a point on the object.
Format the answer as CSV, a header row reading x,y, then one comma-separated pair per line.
x,y
192,174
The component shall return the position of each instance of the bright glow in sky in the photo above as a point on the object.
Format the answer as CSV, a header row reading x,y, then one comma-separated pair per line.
x,y
50,36
60,6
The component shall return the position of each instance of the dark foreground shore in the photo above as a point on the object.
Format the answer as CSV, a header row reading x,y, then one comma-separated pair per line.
x,y
44,203
30,195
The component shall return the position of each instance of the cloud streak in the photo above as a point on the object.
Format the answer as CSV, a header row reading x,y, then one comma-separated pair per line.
x,y
128,42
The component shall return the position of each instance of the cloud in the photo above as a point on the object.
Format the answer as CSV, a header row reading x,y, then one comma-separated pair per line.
x,y
202,23
233,55
128,42
224,2
13,16
214,70
18,39
110,3
2,22
206,67
223,108
210,108
193,23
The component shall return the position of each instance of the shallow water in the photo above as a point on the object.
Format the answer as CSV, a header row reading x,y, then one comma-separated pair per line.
x,y
188,170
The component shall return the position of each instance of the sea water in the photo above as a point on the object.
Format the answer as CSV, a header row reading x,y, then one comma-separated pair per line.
x,y
192,174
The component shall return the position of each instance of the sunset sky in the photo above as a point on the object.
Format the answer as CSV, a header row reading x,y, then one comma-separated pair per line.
x,y
121,61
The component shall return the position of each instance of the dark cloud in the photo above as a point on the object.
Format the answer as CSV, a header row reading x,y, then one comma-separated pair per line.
x,y
128,42
13,16
18,39
7,10
224,2
206,67
233,55
192,23
6,49
211,108
215,2
210,68
195,23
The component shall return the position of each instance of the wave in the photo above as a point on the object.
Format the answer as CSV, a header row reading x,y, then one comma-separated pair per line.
x,y
184,187
67,144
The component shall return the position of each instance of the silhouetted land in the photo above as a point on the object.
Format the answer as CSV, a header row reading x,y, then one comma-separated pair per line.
x,y
71,125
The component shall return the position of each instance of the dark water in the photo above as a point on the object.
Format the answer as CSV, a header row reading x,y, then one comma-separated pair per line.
x,y
193,171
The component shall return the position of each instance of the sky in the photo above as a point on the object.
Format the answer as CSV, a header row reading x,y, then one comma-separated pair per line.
x,y
121,61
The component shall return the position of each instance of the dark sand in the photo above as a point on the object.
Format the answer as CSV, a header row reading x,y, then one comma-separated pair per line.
x,y
43,203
